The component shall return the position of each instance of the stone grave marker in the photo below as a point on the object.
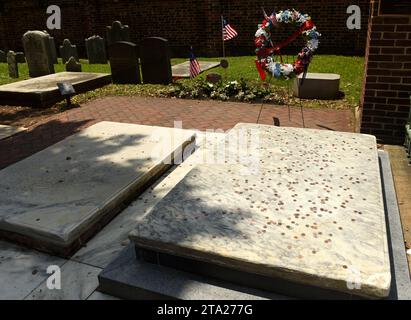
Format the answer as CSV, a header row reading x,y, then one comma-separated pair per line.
x,y
213,77
67,203
12,64
37,49
2,56
67,50
117,32
182,70
72,65
96,50
52,48
317,86
43,91
155,61
296,205
124,63
20,57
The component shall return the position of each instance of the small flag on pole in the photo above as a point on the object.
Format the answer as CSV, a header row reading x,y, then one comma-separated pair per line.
x,y
228,31
194,65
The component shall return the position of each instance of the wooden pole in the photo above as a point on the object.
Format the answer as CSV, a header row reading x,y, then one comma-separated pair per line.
x,y
222,34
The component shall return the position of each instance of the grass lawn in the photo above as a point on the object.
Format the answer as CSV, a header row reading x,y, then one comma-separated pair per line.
x,y
350,69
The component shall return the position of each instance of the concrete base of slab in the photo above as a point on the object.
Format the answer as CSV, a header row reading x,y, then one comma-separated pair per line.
x,y
131,278
8,131
60,197
324,86
182,70
43,92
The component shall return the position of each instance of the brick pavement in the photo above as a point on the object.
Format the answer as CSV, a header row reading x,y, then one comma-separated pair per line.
x,y
194,114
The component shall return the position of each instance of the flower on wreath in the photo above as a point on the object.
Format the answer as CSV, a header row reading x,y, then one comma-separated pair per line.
x,y
295,15
287,69
305,56
302,18
312,33
313,44
261,33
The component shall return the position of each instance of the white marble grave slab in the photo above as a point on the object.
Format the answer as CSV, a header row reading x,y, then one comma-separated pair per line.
x,y
58,196
310,210
182,70
110,241
8,131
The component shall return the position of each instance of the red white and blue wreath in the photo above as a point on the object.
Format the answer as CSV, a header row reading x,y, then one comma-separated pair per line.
x,y
266,50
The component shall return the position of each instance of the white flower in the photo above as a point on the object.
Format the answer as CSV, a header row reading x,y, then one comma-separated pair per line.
x,y
287,69
312,44
279,16
271,66
261,32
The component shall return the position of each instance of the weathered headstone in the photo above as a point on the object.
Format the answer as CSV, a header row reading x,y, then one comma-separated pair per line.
x,y
12,64
155,61
124,63
96,50
182,70
43,91
53,49
117,32
67,50
72,65
2,56
213,77
37,48
317,86
20,57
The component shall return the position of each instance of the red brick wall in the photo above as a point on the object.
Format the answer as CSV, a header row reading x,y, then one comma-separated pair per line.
x,y
182,22
387,82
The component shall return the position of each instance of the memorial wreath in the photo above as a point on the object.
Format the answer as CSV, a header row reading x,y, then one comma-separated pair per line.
x,y
266,50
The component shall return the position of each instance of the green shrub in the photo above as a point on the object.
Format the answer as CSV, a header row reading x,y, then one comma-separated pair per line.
x,y
241,90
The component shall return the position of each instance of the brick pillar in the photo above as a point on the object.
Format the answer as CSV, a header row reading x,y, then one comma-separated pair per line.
x,y
387,84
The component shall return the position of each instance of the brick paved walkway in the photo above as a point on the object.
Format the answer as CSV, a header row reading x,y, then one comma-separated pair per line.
x,y
194,114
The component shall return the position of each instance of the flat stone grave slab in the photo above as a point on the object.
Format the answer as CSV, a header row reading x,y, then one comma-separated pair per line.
x,y
108,243
129,277
8,131
43,91
325,86
182,70
59,197
310,211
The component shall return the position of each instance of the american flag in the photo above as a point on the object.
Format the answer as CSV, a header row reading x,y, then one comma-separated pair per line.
x,y
228,31
194,65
